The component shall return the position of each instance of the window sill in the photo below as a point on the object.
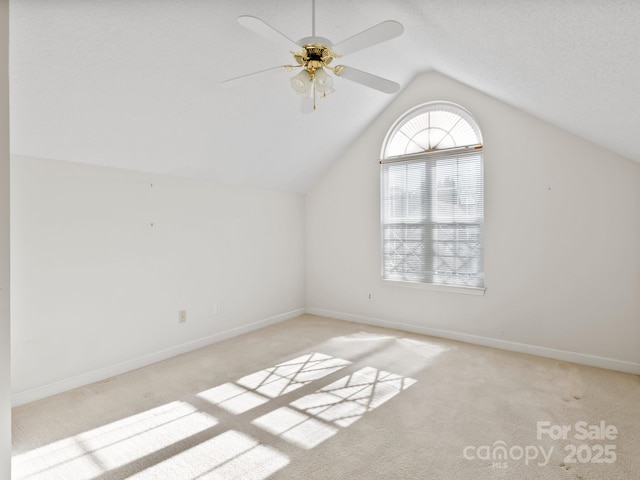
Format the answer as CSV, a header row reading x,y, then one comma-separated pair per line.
x,y
434,287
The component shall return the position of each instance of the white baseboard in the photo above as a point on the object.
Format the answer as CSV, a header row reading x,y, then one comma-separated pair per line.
x,y
38,393
574,357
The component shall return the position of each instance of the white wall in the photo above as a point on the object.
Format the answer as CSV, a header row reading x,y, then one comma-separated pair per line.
x,y
96,289
562,240
5,374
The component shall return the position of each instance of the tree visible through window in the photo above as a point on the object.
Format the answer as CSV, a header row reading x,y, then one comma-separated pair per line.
x,y
432,198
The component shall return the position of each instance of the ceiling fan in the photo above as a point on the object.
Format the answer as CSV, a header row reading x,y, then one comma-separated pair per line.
x,y
314,55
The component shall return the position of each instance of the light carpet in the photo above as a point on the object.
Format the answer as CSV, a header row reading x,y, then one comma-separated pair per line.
x,y
315,398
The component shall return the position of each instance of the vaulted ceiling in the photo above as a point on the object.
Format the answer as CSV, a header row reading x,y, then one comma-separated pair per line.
x,y
136,83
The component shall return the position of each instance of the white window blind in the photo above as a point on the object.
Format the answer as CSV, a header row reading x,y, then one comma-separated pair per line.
x,y
432,219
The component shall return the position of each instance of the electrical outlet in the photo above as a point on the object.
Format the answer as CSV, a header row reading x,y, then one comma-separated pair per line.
x,y
216,308
182,316
370,296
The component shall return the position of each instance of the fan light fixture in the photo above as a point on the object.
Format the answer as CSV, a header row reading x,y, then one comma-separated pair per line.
x,y
324,82
302,83
308,83
314,58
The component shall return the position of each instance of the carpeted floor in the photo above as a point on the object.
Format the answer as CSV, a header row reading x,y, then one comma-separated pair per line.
x,y
314,398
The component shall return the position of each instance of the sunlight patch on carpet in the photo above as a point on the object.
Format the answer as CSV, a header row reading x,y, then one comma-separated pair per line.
x,y
425,349
229,456
291,375
312,419
233,398
162,442
296,427
345,401
105,448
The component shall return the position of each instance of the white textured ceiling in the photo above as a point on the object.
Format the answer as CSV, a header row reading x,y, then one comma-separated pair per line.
x,y
135,83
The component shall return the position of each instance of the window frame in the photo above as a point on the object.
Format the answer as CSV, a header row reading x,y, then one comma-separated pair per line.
x,y
429,281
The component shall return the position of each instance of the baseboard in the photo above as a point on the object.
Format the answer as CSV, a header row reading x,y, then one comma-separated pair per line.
x,y
38,393
574,357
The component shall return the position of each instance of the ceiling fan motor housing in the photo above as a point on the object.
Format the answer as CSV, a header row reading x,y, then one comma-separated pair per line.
x,y
314,56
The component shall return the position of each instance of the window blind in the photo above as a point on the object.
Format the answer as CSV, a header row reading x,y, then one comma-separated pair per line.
x,y
432,218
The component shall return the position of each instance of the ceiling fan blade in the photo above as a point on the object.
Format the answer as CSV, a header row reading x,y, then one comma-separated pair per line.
x,y
228,81
372,36
368,79
264,29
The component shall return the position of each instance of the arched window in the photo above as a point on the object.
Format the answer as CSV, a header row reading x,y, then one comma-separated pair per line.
x,y
433,198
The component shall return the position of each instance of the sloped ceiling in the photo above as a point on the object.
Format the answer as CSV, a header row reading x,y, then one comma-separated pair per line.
x,y
136,83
